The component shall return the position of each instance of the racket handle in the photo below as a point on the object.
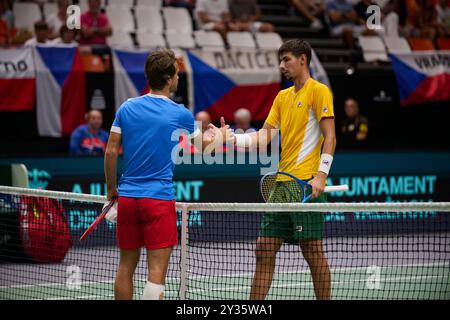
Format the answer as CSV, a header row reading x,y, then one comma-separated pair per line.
x,y
342,187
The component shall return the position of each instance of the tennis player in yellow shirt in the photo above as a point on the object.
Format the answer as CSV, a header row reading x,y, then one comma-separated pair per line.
x,y
305,117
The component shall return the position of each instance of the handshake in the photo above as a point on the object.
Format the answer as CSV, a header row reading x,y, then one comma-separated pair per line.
x,y
220,136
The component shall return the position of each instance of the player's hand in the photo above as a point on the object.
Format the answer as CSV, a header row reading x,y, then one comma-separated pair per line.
x,y
111,194
318,184
226,132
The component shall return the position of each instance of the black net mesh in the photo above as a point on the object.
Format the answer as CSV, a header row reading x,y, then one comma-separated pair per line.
x,y
395,255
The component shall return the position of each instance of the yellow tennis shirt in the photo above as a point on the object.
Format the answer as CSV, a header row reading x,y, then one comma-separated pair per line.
x,y
297,115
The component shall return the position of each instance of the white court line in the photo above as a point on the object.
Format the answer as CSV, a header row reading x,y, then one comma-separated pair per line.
x,y
245,274
292,285
309,284
248,287
250,274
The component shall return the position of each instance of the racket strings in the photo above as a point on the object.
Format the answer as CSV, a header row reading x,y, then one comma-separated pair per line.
x,y
274,191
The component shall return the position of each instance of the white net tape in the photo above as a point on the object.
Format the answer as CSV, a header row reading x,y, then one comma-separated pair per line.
x,y
252,207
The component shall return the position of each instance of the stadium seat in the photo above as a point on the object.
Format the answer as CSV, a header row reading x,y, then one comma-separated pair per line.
x,y
397,45
92,62
149,3
150,40
84,4
149,19
421,44
373,48
26,14
241,40
209,40
120,18
178,40
125,3
268,40
120,39
443,43
49,9
390,25
177,20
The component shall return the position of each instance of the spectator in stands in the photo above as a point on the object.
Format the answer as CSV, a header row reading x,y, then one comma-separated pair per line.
x,y
215,15
204,118
361,9
6,13
311,10
66,36
246,14
443,17
242,121
355,127
89,138
427,18
419,18
95,26
345,21
58,19
41,33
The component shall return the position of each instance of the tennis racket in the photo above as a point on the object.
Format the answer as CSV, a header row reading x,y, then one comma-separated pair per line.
x,y
292,190
99,218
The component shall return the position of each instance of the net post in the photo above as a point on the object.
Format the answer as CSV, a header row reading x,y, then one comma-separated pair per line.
x,y
184,251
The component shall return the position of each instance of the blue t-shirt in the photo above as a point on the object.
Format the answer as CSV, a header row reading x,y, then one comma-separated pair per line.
x,y
150,126
84,142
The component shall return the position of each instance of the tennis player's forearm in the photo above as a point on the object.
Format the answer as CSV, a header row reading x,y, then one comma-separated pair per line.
x,y
253,139
329,145
111,169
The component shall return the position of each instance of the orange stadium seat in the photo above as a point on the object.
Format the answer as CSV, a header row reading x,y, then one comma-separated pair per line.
x,y
420,44
92,63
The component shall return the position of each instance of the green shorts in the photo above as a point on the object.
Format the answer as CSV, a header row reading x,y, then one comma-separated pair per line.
x,y
292,226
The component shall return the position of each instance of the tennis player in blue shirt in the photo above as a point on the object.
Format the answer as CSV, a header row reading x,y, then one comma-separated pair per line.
x,y
148,129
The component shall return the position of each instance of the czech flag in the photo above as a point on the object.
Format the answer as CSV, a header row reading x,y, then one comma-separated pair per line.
x,y
17,79
222,82
129,75
422,76
61,90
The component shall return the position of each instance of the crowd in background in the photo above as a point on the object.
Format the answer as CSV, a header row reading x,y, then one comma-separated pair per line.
x,y
341,18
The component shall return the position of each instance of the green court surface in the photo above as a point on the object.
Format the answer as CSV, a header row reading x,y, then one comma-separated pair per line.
x,y
428,281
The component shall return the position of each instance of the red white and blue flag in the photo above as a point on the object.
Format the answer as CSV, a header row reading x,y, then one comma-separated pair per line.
x,y
129,74
222,82
61,90
17,79
422,76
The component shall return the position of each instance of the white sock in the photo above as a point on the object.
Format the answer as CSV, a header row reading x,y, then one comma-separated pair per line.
x,y
153,291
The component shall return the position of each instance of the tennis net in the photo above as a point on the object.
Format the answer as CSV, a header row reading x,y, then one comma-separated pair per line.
x,y
373,250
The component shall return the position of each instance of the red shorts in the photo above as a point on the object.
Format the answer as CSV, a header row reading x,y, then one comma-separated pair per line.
x,y
146,222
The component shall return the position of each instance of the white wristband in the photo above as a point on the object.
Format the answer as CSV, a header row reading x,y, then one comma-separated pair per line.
x,y
243,140
325,162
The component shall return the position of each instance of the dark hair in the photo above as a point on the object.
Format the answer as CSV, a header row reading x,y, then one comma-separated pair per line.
x,y
159,68
64,29
41,25
297,47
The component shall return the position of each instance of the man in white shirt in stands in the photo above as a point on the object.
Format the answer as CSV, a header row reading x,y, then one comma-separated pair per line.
x,y
41,32
214,15
58,19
